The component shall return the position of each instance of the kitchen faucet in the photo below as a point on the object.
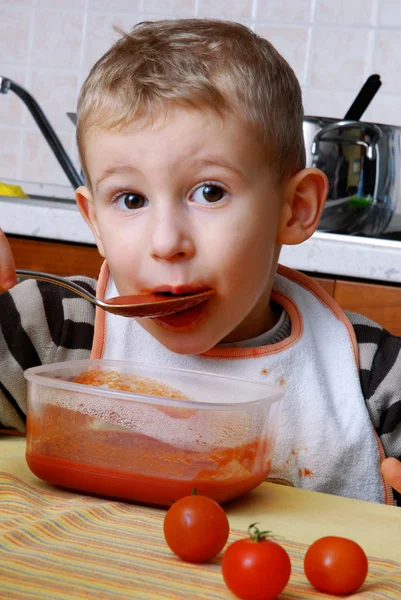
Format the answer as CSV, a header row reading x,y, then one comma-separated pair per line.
x,y
45,127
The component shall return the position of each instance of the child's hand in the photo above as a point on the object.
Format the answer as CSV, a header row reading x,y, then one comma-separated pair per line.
x,y
7,266
391,471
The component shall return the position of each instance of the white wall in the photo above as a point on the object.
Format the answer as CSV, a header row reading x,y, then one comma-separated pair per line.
x,y
49,45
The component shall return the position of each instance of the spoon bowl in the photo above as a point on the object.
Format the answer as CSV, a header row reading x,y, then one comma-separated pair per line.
x,y
143,305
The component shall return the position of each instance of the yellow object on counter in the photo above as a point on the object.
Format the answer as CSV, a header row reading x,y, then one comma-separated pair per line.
x,y
13,191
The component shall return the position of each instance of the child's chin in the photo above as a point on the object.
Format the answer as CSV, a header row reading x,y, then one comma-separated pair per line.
x,y
179,342
186,344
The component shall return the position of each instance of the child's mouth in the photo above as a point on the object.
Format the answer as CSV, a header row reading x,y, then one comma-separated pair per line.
x,y
185,319
179,290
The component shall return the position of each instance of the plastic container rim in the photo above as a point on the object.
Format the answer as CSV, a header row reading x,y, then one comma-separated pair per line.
x,y
33,375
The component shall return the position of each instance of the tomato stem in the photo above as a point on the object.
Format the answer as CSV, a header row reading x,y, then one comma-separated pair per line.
x,y
194,492
258,536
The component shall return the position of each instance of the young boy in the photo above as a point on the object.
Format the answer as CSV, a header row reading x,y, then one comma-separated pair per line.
x,y
190,137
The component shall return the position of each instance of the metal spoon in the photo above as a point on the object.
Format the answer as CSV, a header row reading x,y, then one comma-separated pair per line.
x,y
145,305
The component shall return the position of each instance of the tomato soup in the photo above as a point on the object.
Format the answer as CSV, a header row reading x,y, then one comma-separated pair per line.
x,y
133,486
72,450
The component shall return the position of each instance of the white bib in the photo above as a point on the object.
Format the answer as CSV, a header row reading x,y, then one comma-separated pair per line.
x,y
326,441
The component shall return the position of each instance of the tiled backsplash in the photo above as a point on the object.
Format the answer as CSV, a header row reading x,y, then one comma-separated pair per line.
x,y
48,47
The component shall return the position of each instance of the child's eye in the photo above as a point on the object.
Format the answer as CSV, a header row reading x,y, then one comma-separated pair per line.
x,y
130,201
208,193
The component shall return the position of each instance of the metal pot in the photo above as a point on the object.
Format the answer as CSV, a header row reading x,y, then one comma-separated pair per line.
x,y
362,163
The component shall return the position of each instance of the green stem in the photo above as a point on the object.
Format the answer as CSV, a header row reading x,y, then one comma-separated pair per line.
x,y
256,535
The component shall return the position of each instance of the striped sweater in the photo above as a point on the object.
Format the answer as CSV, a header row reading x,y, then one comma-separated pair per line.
x,y
41,323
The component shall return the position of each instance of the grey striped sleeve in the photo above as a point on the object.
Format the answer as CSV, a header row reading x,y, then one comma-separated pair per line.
x,y
39,324
380,375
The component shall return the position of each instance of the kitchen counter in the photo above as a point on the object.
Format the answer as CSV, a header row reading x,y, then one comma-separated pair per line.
x,y
346,256
297,514
60,544
325,253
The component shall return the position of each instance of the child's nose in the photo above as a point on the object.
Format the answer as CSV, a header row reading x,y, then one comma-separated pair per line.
x,y
171,238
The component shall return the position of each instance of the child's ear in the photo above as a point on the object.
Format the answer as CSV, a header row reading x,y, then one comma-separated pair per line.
x,y
303,201
86,206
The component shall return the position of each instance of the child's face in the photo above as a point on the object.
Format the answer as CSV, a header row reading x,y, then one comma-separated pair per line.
x,y
185,205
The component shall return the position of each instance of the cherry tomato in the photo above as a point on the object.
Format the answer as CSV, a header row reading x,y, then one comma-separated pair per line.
x,y
335,565
256,568
196,528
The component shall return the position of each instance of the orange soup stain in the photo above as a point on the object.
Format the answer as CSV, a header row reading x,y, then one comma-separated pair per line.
x,y
305,472
63,449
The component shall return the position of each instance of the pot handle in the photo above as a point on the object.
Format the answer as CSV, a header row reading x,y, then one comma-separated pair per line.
x,y
373,131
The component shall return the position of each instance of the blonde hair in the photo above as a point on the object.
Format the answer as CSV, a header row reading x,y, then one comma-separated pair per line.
x,y
197,63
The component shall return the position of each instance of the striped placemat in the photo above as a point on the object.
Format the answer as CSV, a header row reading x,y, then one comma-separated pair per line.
x,y
59,545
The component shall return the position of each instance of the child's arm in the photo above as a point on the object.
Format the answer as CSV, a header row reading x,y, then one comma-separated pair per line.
x,y
16,353
40,323
12,405
380,374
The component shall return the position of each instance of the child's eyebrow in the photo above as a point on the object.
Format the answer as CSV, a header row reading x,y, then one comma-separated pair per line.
x,y
119,170
216,161
210,161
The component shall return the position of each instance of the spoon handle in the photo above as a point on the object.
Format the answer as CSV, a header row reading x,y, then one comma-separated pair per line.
x,y
69,285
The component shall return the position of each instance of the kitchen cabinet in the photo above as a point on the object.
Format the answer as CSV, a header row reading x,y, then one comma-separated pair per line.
x,y
379,302
327,284
55,257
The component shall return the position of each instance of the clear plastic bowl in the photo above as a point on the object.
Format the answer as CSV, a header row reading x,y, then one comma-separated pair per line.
x,y
149,434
